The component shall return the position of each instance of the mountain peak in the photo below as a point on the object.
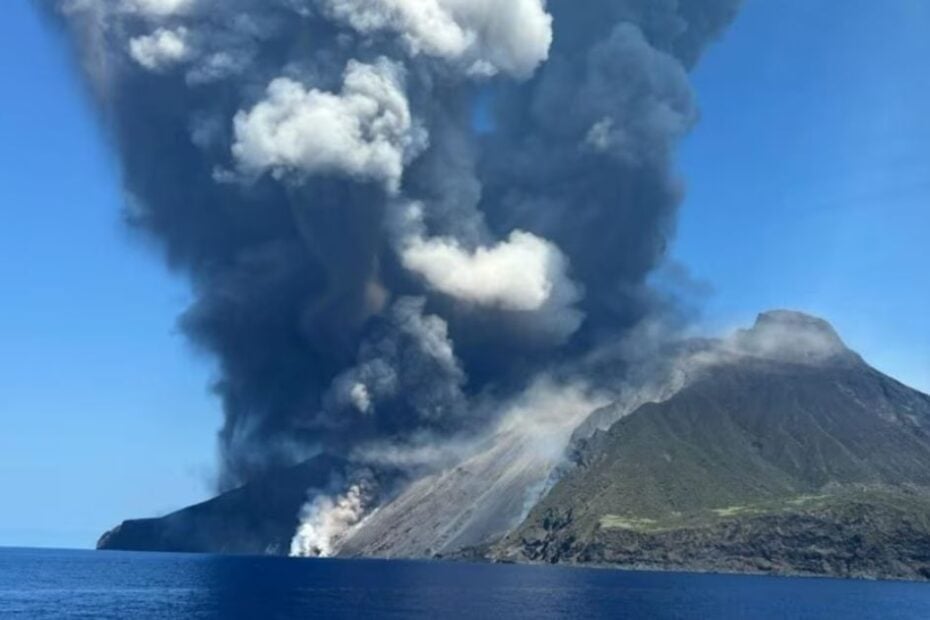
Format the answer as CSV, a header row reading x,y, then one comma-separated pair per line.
x,y
814,464
791,336
795,320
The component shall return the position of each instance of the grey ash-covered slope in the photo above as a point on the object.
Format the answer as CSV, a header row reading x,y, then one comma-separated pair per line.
x,y
785,453
775,450
257,518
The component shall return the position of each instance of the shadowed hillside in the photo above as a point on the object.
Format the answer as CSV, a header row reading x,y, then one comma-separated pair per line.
x,y
258,518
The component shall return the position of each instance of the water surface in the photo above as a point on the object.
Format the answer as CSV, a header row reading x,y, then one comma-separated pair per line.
x,y
101,585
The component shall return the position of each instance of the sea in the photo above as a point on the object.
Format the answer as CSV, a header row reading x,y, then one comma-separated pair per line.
x,y
100,585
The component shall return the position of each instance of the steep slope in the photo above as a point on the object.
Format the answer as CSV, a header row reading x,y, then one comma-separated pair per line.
x,y
785,452
470,504
489,492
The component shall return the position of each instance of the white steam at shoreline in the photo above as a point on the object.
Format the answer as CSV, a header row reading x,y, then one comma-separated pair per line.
x,y
326,521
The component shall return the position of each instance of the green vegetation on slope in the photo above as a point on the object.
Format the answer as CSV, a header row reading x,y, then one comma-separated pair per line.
x,y
765,465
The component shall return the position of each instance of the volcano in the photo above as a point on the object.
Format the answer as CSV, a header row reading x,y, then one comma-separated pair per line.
x,y
777,449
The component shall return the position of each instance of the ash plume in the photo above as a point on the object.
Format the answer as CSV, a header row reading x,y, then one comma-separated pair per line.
x,y
395,213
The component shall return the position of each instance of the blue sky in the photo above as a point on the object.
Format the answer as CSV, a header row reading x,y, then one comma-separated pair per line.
x,y
809,185
809,175
105,410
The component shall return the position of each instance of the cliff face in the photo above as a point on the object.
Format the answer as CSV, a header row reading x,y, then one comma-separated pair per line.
x,y
787,453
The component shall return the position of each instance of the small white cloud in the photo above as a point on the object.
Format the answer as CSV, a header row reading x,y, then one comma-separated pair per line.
x,y
157,8
517,274
483,36
365,131
162,49
361,397
524,273
599,136
219,65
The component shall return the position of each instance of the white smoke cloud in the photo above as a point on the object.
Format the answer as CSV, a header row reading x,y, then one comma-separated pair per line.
x,y
360,397
363,385
524,273
326,521
517,274
157,8
425,451
599,137
544,418
486,36
161,49
778,335
219,65
788,336
551,409
366,131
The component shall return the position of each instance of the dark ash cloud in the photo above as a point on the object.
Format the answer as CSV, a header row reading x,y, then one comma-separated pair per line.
x,y
368,267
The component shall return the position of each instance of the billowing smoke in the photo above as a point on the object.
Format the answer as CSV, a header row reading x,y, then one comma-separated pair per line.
x,y
327,521
396,213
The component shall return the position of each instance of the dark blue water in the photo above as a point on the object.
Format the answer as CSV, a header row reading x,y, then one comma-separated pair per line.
x,y
86,584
